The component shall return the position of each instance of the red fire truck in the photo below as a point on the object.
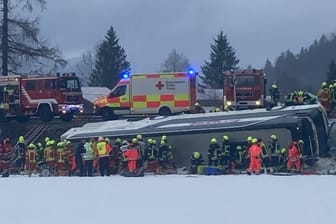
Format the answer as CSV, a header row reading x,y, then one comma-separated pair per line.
x,y
245,89
43,96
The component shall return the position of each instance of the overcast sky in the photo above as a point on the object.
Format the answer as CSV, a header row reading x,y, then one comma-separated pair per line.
x,y
150,29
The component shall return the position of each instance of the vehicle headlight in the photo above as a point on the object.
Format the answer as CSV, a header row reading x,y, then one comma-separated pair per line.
x,y
229,103
257,102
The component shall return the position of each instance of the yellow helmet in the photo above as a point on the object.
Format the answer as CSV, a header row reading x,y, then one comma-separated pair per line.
x,y
331,86
213,140
47,139
300,93
283,150
254,140
163,142
118,140
164,137
149,141
139,137
226,138
239,148
31,146
134,140
273,137
154,141
196,155
39,144
249,138
274,86
334,85
197,104
324,84
21,139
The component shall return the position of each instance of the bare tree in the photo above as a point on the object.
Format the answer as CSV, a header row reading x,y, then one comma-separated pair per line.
x,y
20,37
85,67
175,62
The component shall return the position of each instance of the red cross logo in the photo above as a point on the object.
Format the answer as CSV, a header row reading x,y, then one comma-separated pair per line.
x,y
159,85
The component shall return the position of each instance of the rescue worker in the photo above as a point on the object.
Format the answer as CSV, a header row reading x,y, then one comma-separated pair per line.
x,y
115,156
300,97
255,152
240,160
151,154
50,157
20,153
273,145
141,145
80,150
70,158
131,155
275,154
275,94
323,96
196,160
293,157
40,156
333,98
61,159
225,153
46,140
31,159
291,98
198,109
163,155
103,150
6,153
214,153
88,158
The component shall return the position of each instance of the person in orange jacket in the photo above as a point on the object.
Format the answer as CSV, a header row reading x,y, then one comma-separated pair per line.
x,y
293,157
255,152
131,155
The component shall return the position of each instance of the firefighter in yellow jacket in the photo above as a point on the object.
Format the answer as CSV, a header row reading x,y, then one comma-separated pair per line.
x,y
103,150
31,159
61,159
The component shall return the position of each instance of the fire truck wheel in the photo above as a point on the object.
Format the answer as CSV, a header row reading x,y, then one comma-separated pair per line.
x,y
45,113
164,111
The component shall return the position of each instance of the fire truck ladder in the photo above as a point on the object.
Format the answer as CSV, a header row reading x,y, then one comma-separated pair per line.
x,y
35,133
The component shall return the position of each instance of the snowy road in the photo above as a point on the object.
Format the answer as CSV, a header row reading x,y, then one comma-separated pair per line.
x,y
168,199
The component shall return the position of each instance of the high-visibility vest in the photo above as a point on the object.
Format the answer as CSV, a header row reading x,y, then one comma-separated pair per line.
x,y
49,154
103,149
89,154
60,155
31,156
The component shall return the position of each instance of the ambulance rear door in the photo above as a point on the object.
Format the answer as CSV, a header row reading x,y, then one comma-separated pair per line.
x,y
160,93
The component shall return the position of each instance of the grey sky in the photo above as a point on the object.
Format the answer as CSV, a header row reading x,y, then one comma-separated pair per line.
x,y
150,29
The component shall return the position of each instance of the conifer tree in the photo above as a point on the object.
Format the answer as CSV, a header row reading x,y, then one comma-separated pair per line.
x,y
331,74
110,61
222,58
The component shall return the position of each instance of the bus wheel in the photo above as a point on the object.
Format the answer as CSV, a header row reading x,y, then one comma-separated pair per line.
x,y
45,113
164,111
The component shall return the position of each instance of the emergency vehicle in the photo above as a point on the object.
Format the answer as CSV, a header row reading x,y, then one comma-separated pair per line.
x,y
245,89
44,96
153,93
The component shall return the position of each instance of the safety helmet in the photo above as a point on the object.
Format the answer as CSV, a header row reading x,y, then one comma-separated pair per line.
x,y
225,138
273,137
139,137
217,109
47,139
154,142
107,140
100,139
52,142
163,142
31,146
21,139
331,86
196,155
163,137
60,144
197,104
118,140
283,150
149,141
300,93
324,84
124,142
134,140
213,140
249,139
334,85
254,140
301,141
39,144
67,142
274,86
239,148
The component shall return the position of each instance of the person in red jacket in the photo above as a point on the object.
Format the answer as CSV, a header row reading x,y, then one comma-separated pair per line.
x,y
6,153
255,152
131,155
293,157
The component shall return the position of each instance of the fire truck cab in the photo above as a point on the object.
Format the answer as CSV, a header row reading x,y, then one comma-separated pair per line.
x,y
245,89
151,93
44,96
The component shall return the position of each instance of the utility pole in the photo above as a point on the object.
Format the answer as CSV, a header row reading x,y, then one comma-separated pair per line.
x,y
5,39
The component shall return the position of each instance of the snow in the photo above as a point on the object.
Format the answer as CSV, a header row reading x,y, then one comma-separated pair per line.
x,y
169,199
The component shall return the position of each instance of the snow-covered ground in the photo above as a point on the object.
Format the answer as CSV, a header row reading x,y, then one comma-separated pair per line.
x,y
170,199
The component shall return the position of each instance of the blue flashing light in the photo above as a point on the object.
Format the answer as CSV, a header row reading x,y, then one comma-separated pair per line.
x,y
191,71
125,75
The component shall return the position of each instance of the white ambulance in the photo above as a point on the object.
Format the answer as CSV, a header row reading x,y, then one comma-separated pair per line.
x,y
153,93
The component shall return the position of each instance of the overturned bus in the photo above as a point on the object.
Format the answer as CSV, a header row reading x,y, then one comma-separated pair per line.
x,y
192,132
